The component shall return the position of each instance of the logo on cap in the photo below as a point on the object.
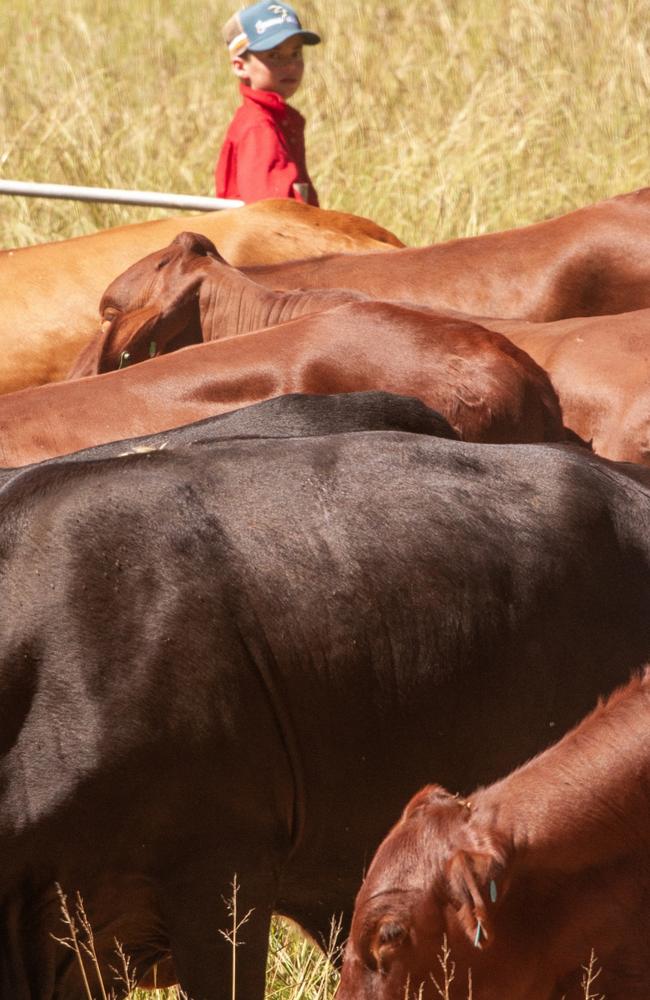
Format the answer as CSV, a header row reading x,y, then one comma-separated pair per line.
x,y
283,15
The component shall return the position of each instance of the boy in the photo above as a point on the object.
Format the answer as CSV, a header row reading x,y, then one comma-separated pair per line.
x,y
263,155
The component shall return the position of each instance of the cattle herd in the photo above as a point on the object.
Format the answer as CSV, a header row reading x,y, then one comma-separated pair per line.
x,y
309,539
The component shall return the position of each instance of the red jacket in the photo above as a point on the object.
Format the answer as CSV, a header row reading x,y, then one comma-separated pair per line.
x,y
263,154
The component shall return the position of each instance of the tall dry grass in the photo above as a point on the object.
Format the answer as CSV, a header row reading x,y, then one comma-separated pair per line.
x,y
296,969
437,118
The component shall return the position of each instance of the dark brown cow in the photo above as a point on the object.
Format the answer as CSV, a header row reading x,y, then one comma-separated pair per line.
x,y
50,292
486,387
524,879
593,261
600,368
242,656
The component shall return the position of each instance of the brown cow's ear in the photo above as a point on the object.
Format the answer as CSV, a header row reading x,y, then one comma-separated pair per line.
x,y
92,359
427,796
127,339
477,883
387,940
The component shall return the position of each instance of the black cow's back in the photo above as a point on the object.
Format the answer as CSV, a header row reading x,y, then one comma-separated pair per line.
x,y
292,415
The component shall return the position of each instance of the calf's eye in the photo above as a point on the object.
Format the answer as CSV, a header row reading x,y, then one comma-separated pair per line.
x,y
391,933
388,939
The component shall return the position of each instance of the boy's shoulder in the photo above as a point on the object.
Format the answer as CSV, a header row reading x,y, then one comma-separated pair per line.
x,y
269,112
247,118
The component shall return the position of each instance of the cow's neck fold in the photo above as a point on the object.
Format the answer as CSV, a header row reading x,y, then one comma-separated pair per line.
x,y
232,304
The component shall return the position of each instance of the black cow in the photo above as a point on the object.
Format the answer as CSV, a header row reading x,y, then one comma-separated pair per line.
x,y
242,657
297,415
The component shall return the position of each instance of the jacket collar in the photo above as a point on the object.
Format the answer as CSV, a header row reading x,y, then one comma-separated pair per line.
x,y
267,99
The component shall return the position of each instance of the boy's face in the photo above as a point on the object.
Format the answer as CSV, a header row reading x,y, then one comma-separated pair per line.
x,y
279,69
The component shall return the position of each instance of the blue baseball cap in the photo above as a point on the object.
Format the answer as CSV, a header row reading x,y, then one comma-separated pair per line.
x,y
263,26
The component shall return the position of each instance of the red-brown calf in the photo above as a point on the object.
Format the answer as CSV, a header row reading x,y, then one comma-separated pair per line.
x,y
50,292
184,294
522,880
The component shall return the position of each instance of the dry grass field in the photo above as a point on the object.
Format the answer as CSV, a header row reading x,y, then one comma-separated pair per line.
x,y
436,118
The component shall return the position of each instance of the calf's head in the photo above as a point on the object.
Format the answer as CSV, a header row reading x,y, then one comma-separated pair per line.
x,y
161,274
434,883
151,308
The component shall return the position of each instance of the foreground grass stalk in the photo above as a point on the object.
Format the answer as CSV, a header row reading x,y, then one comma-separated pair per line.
x,y
123,973
72,942
448,971
88,944
231,935
590,973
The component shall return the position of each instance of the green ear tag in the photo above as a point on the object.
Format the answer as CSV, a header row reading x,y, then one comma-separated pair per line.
x,y
152,349
477,936
493,891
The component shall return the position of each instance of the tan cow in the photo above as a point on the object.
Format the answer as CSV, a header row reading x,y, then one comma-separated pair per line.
x,y
50,293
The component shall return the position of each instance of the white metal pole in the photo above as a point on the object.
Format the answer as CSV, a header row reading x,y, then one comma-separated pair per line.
x,y
28,189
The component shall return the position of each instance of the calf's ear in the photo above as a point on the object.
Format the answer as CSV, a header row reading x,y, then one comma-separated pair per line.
x,y
477,883
427,796
114,339
126,337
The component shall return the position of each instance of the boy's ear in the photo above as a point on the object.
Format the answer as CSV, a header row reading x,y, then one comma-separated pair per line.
x,y
239,67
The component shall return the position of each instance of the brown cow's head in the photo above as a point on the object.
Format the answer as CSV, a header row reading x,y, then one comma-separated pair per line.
x,y
152,278
434,882
150,309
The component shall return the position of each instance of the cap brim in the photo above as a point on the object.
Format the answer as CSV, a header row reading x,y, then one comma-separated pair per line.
x,y
277,37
